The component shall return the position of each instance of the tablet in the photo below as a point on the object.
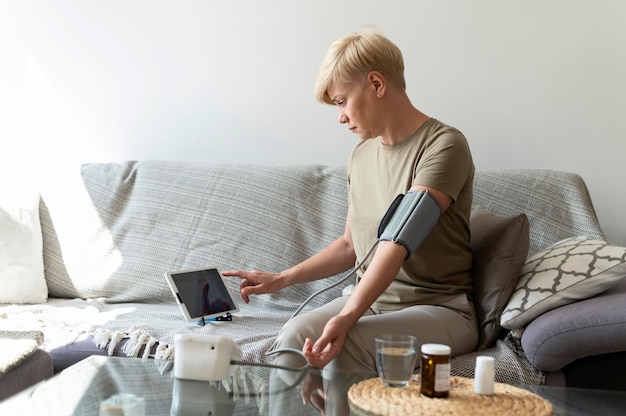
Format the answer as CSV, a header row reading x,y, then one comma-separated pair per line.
x,y
201,294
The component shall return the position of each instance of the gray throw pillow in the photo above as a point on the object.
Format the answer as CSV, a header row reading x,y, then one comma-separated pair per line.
x,y
500,247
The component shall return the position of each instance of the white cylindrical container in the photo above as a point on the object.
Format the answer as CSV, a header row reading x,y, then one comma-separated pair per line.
x,y
484,375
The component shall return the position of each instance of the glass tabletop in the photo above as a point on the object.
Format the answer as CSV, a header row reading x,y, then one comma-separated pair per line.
x,y
103,385
569,401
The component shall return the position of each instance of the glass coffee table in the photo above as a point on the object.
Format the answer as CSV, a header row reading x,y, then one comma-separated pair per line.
x,y
103,385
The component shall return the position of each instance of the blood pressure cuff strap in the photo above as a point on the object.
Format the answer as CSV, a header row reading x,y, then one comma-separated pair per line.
x,y
409,219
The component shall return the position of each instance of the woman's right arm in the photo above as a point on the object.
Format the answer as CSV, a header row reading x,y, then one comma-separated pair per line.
x,y
337,257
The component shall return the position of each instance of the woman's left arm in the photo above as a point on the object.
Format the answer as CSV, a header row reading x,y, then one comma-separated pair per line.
x,y
443,200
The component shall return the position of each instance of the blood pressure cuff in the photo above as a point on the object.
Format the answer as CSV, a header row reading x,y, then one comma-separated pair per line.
x,y
409,219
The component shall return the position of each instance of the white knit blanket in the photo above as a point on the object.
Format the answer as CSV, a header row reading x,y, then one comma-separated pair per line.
x,y
146,325
140,325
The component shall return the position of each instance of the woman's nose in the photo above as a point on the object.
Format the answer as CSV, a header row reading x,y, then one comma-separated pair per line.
x,y
342,118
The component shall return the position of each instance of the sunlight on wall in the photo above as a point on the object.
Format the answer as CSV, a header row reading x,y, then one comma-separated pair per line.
x,y
90,254
54,136
533,85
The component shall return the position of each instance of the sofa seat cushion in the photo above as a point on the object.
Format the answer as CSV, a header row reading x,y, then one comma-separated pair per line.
x,y
586,328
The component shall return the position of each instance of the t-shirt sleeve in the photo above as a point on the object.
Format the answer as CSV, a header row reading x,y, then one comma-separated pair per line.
x,y
446,163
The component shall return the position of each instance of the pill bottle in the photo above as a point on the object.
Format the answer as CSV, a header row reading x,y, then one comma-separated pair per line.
x,y
435,370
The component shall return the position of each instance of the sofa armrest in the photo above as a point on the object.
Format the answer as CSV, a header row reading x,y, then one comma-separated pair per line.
x,y
586,328
32,370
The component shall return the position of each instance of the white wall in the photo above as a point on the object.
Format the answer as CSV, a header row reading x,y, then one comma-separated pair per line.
x,y
532,84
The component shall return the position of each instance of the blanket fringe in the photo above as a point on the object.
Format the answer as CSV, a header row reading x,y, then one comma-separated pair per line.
x,y
164,352
138,338
149,345
101,338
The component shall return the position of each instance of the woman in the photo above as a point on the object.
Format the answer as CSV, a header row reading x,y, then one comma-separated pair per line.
x,y
401,148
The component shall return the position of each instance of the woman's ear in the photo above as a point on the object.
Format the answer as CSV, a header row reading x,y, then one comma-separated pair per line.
x,y
377,82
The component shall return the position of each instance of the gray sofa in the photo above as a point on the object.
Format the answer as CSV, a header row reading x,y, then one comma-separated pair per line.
x,y
110,231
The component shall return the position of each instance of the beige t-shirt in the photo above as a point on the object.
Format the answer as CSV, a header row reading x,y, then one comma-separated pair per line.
x,y
436,156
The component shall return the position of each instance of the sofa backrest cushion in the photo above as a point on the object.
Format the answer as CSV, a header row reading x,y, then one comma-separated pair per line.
x,y
557,204
153,216
114,230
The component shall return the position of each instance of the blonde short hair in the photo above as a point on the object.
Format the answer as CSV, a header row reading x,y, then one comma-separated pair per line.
x,y
354,56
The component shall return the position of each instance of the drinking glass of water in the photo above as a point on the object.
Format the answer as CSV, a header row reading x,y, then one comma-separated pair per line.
x,y
396,356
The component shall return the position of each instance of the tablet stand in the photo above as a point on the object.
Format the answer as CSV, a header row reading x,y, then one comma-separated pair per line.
x,y
202,321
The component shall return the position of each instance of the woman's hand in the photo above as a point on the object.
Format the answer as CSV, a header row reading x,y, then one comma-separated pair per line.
x,y
255,282
330,344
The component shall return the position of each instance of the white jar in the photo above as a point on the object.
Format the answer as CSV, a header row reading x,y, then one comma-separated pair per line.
x,y
484,375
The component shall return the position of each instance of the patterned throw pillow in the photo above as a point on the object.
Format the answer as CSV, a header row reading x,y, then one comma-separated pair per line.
x,y
570,270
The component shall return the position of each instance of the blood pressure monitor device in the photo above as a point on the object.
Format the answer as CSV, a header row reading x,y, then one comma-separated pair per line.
x,y
204,357
202,295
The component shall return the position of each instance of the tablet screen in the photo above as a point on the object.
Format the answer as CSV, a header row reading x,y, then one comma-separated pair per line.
x,y
201,293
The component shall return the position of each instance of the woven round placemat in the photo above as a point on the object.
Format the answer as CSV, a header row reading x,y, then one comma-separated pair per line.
x,y
371,397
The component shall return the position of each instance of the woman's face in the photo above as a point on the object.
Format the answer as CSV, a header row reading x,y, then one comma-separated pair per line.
x,y
357,107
